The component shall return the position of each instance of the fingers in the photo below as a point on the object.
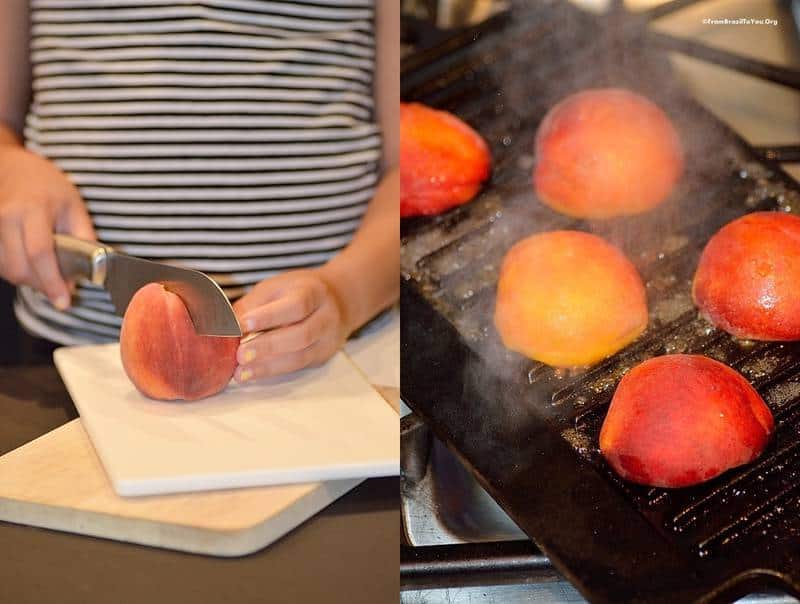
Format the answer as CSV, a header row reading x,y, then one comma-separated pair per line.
x,y
292,338
15,260
279,365
292,323
46,276
28,257
294,306
36,199
266,291
27,248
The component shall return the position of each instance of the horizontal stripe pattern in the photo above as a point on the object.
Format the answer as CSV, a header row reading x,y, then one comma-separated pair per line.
x,y
236,137
202,150
248,55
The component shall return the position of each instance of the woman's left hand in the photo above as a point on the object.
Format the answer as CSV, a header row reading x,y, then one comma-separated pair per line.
x,y
302,321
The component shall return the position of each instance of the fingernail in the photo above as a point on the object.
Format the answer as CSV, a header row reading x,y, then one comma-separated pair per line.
x,y
62,302
249,356
248,321
245,375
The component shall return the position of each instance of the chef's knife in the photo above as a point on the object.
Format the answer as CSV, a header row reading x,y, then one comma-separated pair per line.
x,y
123,275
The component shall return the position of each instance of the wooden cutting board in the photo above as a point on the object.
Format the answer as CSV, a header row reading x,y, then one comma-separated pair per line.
x,y
326,423
58,482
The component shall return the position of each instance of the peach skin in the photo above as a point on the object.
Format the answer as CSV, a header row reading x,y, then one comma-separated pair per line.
x,y
443,161
163,355
568,299
679,420
748,278
606,152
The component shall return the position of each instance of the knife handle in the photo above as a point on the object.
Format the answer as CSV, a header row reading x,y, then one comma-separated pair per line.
x,y
78,258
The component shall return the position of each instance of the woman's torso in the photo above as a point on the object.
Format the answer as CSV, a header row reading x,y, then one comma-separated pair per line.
x,y
236,137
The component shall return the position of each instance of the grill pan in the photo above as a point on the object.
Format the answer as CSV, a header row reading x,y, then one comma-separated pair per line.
x,y
528,432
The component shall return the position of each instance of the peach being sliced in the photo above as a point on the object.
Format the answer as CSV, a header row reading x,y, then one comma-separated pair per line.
x,y
606,152
568,299
679,420
163,355
443,161
748,278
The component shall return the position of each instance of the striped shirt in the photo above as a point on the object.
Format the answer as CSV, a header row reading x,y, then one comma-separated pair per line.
x,y
235,137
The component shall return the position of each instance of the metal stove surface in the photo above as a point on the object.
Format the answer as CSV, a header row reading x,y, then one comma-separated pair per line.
x,y
442,505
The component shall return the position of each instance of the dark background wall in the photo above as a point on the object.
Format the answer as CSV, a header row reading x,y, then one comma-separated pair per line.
x,y
9,329
16,346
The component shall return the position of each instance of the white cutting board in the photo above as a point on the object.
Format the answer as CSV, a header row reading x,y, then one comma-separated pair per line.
x,y
325,423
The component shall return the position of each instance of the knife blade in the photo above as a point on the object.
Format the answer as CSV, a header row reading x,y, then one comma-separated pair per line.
x,y
122,276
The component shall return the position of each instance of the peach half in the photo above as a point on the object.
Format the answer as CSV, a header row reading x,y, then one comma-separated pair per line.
x,y
748,278
606,152
679,420
443,161
568,299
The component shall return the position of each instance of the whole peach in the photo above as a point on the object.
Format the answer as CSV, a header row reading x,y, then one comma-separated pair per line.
x,y
678,420
442,161
568,298
748,278
606,152
163,355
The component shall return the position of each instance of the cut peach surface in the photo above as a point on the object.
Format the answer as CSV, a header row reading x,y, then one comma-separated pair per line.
x,y
568,299
679,420
748,278
606,152
443,161
163,355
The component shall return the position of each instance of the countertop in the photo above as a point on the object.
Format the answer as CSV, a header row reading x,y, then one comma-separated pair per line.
x,y
348,553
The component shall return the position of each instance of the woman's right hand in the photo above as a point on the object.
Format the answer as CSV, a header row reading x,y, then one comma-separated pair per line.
x,y
37,200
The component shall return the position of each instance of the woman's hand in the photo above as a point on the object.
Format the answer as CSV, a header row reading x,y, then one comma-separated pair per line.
x,y
302,320
36,200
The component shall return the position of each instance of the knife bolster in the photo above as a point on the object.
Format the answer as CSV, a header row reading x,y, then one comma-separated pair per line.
x,y
81,259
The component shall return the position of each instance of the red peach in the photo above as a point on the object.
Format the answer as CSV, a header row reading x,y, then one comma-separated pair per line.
x,y
748,278
606,152
442,161
163,355
568,299
679,420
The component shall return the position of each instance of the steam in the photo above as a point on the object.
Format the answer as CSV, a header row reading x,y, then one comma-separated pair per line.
x,y
549,51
